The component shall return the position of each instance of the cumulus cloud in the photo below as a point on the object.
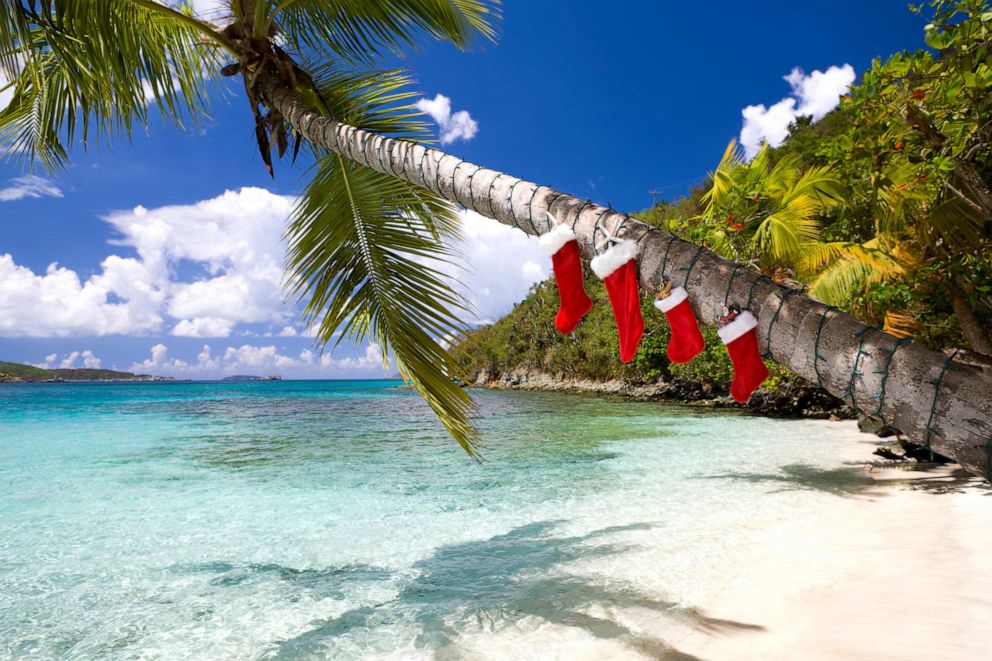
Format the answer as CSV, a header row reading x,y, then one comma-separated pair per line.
x,y
500,264
255,359
28,186
812,95
234,241
372,358
70,361
453,126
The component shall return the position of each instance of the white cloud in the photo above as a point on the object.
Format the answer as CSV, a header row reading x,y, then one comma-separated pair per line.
x,y
203,327
159,361
90,361
370,359
28,186
454,126
814,95
500,265
234,240
259,359
234,245
69,361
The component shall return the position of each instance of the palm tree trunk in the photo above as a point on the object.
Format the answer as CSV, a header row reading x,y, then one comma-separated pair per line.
x,y
970,326
910,388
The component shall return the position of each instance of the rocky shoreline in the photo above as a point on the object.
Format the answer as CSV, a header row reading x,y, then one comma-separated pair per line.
x,y
789,400
792,399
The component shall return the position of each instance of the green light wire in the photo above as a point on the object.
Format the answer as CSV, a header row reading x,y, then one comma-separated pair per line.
x,y
692,264
854,368
768,334
885,376
936,395
816,345
664,262
730,282
509,204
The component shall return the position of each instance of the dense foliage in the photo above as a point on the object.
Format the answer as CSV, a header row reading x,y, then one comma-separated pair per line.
x,y
881,208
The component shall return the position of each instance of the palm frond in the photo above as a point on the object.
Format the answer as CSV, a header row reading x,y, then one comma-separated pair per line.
x,y
955,222
822,184
835,284
94,67
723,178
360,248
849,266
378,101
358,31
782,234
900,324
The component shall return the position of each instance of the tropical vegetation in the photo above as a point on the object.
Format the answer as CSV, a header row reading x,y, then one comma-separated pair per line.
x,y
881,208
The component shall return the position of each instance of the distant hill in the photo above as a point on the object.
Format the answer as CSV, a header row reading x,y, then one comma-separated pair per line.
x,y
18,372
238,378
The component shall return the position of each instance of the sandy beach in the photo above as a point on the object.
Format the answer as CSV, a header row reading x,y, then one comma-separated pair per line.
x,y
899,570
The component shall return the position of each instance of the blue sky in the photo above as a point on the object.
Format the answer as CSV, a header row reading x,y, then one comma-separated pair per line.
x,y
167,248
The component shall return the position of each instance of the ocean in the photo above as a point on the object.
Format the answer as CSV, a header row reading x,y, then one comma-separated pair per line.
x,y
335,519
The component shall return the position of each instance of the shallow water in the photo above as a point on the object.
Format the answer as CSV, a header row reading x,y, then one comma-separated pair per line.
x,y
317,519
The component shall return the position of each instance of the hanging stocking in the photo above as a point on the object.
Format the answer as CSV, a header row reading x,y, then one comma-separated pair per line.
x,y
618,271
561,246
742,345
687,340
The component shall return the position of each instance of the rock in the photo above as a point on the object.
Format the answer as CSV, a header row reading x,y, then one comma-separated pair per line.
x,y
877,427
892,451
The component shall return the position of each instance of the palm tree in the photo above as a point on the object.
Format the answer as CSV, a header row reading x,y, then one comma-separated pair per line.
x,y
375,207
767,212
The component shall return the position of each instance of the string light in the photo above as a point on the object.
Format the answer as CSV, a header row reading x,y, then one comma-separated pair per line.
x,y
492,212
664,262
692,264
946,367
509,204
816,344
730,283
768,335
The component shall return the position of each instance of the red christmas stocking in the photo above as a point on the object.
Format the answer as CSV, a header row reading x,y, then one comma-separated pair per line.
x,y
687,340
742,345
561,246
618,271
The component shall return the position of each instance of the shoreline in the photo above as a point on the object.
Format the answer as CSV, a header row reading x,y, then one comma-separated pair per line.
x,y
792,401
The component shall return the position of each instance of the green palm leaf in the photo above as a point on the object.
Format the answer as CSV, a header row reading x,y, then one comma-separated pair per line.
x,y
359,31
93,67
360,250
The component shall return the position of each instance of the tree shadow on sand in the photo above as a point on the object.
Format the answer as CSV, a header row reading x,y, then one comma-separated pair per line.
x,y
486,585
929,478
853,481
844,482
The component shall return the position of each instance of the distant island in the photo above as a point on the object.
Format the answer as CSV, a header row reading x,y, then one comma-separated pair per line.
x,y
17,372
238,378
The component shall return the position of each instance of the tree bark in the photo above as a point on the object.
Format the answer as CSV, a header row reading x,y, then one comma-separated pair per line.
x,y
970,326
915,390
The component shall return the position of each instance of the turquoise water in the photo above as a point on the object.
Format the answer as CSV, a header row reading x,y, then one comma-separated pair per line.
x,y
335,519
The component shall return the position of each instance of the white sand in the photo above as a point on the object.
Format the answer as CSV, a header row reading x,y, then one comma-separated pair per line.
x,y
904,572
